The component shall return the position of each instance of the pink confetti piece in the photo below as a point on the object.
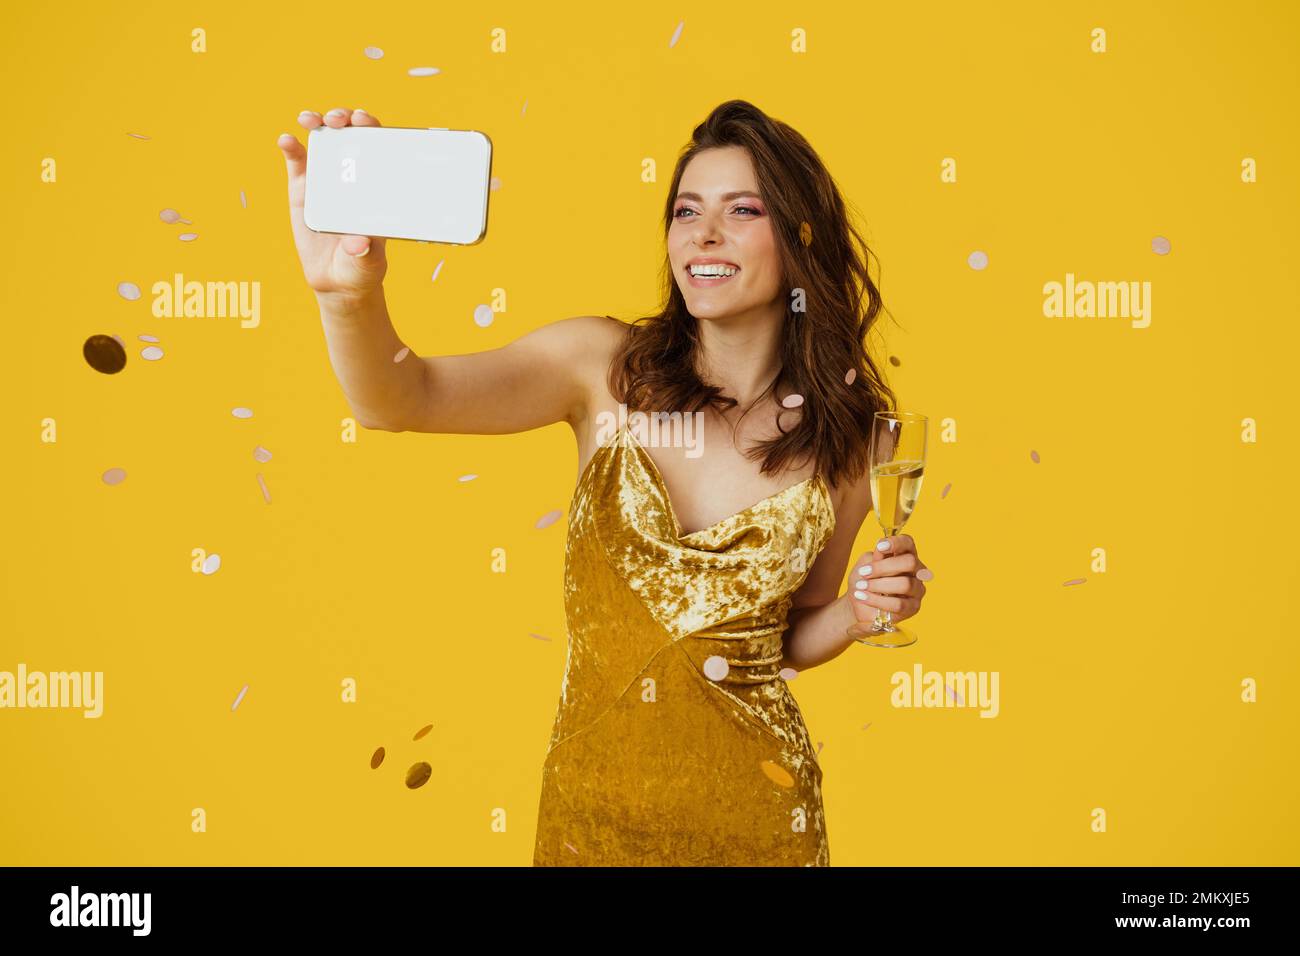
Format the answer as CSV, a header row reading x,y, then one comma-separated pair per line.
x,y
242,412
548,519
169,216
239,698
538,636
423,71
1034,455
570,846
151,353
787,674
954,695
469,477
266,493
1160,246
147,338
494,183
676,35
401,354
1075,581
118,340
793,400
138,136
925,574
128,290
243,199
944,494
188,236
437,269
978,260
373,52
850,376
114,476
261,454
716,667
525,107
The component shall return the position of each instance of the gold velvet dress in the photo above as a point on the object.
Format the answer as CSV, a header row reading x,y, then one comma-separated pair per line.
x,y
676,742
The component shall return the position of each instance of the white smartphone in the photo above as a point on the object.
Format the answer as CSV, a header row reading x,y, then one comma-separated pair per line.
x,y
426,184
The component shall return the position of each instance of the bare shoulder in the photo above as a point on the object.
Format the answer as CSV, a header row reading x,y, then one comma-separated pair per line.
x,y
595,340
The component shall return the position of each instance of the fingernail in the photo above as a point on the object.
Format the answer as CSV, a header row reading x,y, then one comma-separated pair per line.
x,y
860,595
864,570
360,110
358,255
335,113
308,113
925,574
882,544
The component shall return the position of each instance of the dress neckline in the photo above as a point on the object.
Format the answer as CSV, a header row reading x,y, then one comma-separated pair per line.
x,y
814,479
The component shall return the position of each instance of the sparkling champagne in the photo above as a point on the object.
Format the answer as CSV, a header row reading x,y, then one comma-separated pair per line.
x,y
895,486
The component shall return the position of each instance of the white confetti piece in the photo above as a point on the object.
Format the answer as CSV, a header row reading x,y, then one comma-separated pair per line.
x,y
242,412
548,519
482,316
793,400
211,564
676,34
169,216
240,697
1160,246
243,199
374,52
978,260
787,674
147,338
401,354
437,269
114,476
850,376
494,183
469,477
128,290
188,236
152,353
261,454
716,667
423,71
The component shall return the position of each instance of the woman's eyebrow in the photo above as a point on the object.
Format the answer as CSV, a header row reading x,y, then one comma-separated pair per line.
x,y
726,197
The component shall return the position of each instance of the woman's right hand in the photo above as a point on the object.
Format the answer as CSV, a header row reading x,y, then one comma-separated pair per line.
x,y
338,266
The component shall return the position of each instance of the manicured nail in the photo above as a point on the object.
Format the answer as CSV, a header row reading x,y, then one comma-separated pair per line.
x,y
358,255
882,544
860,595
336,113
864,571
925,574
308,113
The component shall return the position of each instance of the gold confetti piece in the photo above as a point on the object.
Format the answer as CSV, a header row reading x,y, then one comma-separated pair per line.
x,y
548,519
114,476
376,758
418,775
1075,581
850,376
570,846
402,353
676,34
1034,455
894,361
422,731
805,233
944,494
866,725
104,354
538,636
777,774
1160,246
261,454
266,492
240,697
793,400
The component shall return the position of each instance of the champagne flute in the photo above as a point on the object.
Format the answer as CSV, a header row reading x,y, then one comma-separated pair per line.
x,y
897,461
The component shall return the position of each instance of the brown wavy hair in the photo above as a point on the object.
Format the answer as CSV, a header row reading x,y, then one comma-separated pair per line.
x,y
655,366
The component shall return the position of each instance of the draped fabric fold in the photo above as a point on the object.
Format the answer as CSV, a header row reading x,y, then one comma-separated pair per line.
x,y
676,741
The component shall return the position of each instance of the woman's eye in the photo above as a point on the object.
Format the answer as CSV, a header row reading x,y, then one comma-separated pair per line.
x,y
750,209
678,213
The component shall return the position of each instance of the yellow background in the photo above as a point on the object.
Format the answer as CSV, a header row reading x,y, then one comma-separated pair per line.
x,y
372,560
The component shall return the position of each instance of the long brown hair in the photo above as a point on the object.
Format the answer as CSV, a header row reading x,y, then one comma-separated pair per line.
x,y
655,367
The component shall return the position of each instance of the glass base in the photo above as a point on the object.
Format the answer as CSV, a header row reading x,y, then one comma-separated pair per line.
x,y
865,632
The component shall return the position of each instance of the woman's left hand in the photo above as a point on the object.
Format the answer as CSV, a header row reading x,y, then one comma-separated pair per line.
x,y
895,582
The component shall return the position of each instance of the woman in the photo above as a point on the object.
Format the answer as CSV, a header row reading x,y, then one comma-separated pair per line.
x,y
692,580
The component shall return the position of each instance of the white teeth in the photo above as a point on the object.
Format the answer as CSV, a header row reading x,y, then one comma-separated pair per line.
x,y
713,270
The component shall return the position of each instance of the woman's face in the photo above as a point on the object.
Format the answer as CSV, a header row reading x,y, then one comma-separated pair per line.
x,y
718,217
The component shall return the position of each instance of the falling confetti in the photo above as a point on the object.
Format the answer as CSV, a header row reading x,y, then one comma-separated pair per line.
x,y
423,71
805,233
374,52
1034,455
866,725
266,492
211,563
240,697
482,316
128,290
777,774
548,519
944,494
418,775
138,136
819,748
1160,246
925,574
894,361
242,412
850,376
570,846
152,353
978,260
469,477
104,354
1075,581
525,107
787,674
437,269
261,454
676,34
188,236
376,758
538,636
401,354
147,338
954,695
716,667
494,183
793,400
422,731
114,476
169,216
118,340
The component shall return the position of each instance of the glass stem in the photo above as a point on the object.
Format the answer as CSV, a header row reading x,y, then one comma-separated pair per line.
x,y
884,620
